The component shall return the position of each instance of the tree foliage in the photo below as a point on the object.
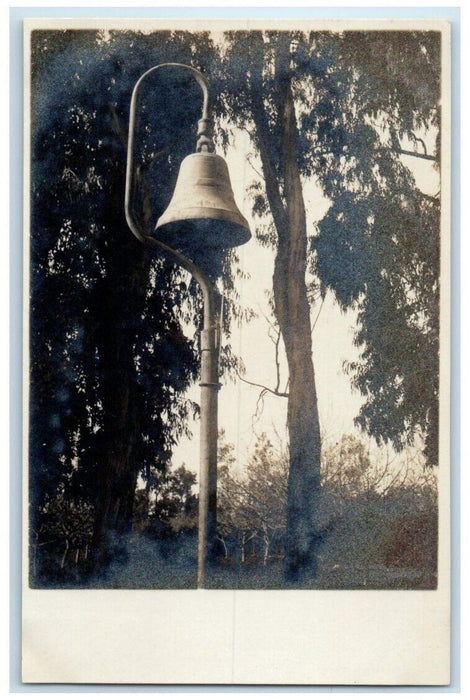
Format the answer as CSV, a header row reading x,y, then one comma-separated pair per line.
x,y
378,519
175,504
362,100
109,348
110,355
378,246
252,505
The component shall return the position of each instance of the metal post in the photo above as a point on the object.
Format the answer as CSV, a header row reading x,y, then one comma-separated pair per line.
x,y
209,374
210,334
208,448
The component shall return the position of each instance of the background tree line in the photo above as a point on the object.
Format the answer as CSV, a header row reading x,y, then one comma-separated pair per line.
x,y
111,355
378,522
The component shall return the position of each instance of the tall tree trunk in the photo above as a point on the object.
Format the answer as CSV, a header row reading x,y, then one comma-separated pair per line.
x,y
293,315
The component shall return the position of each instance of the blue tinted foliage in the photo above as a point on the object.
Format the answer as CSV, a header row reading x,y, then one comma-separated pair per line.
x,y
108,352
358,96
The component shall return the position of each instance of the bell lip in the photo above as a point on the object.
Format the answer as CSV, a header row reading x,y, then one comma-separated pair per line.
x,y
213,214
240,234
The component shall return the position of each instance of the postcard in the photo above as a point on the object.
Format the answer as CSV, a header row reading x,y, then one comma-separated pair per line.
x,y
237,304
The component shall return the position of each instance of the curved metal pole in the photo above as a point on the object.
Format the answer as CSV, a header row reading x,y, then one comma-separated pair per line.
x,y
209,338
140,234
204,127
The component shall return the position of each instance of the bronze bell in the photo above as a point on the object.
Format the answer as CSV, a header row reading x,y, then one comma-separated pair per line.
x,y
202,211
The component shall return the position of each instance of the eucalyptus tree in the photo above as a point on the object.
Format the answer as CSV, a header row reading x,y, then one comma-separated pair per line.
x,y
340,109
110,352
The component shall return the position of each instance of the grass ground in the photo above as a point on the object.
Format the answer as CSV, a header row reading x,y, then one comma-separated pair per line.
x,y
176,568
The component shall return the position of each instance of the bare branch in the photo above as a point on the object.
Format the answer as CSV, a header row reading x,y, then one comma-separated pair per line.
x,y
432,198
415,154
264,388
417,139
250,163
318,314
267,319
276,360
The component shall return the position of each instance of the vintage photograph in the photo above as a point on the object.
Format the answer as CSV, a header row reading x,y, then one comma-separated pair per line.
x,y
235,329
